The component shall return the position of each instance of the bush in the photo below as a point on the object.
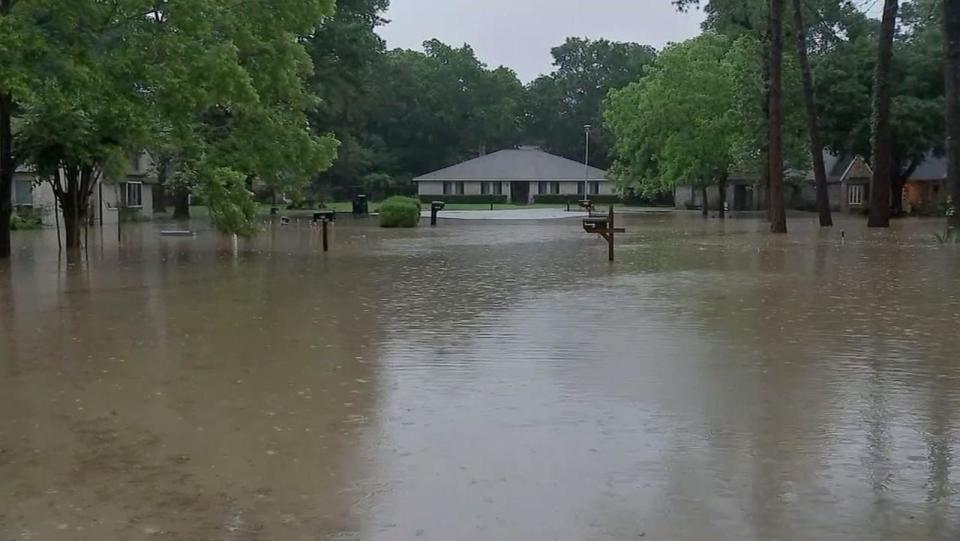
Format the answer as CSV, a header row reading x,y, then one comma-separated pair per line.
x,y
560,199
399,211
466,199
26,218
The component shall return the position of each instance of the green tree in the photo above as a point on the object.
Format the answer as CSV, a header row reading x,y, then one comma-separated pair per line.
x,y
221,85
347,55
439,107
557,106
669,133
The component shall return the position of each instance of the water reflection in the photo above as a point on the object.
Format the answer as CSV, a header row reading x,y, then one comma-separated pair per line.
x,y
484,381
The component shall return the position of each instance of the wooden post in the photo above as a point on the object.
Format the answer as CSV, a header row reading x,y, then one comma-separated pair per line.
x,y
323,226
612,233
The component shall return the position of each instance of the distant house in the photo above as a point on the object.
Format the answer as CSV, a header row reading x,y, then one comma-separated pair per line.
x,y
926,189
848,184
742,194
133,192
522,175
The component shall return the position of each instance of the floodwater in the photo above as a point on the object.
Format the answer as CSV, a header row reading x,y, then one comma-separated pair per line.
x,y
484,381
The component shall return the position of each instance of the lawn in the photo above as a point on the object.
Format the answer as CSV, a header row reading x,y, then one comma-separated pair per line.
x,y
346,207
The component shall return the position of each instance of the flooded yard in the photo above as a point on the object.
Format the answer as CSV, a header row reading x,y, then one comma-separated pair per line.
x,y
484,380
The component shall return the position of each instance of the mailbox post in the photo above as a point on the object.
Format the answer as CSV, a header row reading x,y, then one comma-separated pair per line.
x,y
605,227
435,207
324,217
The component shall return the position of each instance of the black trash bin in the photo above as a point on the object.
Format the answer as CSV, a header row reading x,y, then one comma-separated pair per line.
x,y
361,206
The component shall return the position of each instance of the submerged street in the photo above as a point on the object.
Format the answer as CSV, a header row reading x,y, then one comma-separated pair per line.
x,y
484,380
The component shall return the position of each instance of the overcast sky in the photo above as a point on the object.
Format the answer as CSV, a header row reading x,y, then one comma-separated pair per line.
x,y
520,33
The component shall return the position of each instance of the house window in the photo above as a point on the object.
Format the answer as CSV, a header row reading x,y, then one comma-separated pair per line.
x,y
447,188
594,188
555,188
23,193
580,188
459,186
543,188
484,188
497,188
855,195
132,194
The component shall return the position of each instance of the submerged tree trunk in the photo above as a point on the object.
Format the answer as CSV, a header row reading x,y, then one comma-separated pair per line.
x,y
778,214
813,128
7,170
882,130
181,204
705,207
73,190
951,45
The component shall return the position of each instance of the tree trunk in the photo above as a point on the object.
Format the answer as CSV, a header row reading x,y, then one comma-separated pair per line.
x,y
951,45
159,197
706,203
765,148
813,128
181,204
778,214
882,130
74,198
72,224
7,170
722,202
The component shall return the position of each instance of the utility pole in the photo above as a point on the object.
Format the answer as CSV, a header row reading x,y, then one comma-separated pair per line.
x,y
586,164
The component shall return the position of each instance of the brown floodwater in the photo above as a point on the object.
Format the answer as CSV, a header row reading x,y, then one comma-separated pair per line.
x,y
484,381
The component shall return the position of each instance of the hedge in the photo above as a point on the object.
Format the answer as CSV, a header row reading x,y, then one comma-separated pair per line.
x,y
399,211
466,199
560,199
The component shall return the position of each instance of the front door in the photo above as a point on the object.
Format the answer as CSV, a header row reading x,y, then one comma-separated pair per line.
x,y
742,197
520,193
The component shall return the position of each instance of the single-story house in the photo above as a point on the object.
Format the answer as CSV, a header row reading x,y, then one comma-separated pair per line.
x,y
926,189
133,193
522,174
742,194
848,184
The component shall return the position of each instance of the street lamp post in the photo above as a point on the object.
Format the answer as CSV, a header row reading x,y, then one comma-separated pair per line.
x,y
586,163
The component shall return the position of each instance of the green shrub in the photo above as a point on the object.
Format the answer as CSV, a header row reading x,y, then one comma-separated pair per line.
x,y
26,218
399,211
466,199
561,199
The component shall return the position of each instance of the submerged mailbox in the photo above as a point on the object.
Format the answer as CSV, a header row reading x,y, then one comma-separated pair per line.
x,y
605,227
436,207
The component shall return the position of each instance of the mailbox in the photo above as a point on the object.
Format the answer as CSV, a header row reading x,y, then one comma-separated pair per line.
x,y
595,225
328,215
435,207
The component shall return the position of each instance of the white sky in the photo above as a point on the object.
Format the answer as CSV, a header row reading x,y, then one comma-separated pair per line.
x,y
520,33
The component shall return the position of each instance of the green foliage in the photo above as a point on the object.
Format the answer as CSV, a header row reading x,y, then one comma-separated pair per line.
x,y
26,218
671,132
208,85
466,199
557,106
231,206
399,211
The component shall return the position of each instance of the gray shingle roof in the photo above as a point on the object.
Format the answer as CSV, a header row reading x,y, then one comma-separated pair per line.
x,y
932,169
515,164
